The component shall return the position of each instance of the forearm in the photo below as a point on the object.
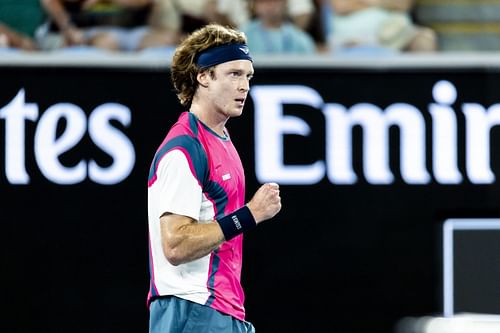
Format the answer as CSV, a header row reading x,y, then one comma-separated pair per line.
x,y
185,240
58,13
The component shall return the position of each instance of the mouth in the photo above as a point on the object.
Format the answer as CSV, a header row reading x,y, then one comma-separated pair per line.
x,y
240,101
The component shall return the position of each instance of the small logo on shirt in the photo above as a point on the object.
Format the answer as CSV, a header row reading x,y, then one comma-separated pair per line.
x,y
226,176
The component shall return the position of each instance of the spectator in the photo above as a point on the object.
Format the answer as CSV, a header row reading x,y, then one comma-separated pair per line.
x,y
19,21
377,26
189,15
117,25
271,32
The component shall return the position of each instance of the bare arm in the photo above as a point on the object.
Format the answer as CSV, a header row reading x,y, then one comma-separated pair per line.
x,y
17,39
61,17
57,12
185,239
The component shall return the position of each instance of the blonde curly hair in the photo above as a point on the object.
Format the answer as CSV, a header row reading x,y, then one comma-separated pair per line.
x,y
184,69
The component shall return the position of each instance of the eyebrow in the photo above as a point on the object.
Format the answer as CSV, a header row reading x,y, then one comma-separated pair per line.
x,y
239,70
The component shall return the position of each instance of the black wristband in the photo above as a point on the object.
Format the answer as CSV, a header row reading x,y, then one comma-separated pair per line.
x,y
237,222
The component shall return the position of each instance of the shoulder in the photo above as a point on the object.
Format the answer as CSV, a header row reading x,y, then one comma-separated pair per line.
x,y
183,136
180,147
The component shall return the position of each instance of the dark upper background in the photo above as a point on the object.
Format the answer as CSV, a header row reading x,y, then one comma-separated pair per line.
x,y
338,258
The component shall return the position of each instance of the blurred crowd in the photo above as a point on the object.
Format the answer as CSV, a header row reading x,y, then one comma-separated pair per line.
x,y
272,26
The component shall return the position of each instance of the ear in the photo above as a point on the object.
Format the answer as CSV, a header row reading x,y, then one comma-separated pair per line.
x,y
203,78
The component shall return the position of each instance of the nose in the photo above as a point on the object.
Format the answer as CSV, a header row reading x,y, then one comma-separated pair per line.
x,y
244,85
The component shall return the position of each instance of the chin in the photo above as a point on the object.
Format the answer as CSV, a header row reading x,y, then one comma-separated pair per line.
x,y
236,113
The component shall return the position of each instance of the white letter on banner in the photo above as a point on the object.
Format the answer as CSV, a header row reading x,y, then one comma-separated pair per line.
x,y
270,127
411,125
339,143
48,147
478,124
113,142
15,113
444,134
375,125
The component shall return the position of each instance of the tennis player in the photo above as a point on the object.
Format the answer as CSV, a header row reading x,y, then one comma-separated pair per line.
x,y
196,192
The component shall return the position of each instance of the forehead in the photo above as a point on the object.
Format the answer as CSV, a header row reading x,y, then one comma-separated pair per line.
x,y
240,65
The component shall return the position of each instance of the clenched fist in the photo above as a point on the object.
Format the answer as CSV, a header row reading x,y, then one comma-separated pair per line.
x,y
266,202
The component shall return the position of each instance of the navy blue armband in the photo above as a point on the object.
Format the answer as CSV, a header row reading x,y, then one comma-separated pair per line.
x,y
237,222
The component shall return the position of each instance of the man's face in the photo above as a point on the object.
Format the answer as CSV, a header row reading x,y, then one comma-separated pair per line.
x,y
229,86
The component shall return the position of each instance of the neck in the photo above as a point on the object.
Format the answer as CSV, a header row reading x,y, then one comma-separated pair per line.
x,y
213,120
